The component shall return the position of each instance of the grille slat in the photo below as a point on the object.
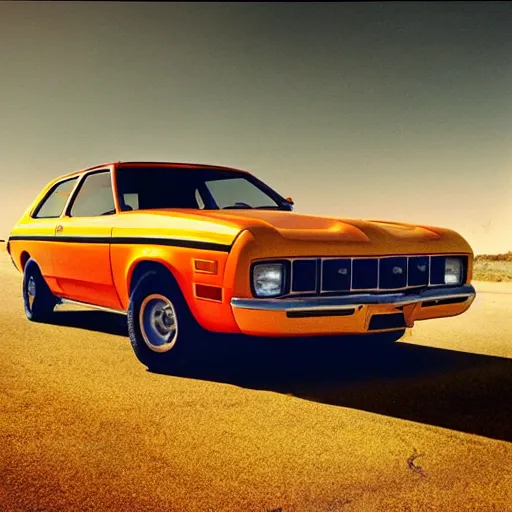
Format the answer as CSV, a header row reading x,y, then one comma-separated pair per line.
x,y
418,271
365,274
437,270
336,275
393,273
304,274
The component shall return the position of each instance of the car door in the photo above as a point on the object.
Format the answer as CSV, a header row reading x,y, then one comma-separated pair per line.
x,y
83,235
38,228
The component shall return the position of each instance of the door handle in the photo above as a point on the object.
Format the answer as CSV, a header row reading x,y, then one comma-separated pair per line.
x,y
59,228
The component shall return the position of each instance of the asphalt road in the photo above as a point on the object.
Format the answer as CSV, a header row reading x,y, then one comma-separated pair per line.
x,y
424,425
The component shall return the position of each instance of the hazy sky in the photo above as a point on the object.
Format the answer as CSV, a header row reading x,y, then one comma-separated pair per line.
x,y
396,111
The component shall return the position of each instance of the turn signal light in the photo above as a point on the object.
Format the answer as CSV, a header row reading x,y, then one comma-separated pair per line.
x,y
205,266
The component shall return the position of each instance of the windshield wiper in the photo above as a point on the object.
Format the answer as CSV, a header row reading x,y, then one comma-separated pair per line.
x,y
239,205
245,206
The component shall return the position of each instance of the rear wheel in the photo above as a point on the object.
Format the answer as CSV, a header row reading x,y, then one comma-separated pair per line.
x,y
163,332
38,300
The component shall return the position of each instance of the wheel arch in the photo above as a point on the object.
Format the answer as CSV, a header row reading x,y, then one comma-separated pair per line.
x,y
142,266
24,257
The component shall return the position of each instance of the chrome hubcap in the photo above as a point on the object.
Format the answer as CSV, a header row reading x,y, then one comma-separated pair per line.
x,y
158,323
31,291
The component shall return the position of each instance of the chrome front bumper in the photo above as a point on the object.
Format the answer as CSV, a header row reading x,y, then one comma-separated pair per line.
x,y
354,301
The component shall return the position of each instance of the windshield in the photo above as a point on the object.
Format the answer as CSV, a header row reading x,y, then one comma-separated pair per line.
x,y
142,188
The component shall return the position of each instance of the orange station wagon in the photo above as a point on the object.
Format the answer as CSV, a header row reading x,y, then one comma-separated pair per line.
x,y
180,247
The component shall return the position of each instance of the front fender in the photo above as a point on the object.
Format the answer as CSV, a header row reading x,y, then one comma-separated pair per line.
x,y
212,315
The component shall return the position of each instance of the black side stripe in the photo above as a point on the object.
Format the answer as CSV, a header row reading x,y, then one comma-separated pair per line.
x,y
171,242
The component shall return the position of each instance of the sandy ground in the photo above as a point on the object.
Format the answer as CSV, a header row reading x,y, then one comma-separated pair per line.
x,y
424,425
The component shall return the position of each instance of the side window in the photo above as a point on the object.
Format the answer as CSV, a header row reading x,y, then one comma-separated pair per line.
x,y
95,196
131,201
52,205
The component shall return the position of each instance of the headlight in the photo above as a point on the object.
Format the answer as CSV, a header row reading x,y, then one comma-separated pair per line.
x,y
268,279
453,271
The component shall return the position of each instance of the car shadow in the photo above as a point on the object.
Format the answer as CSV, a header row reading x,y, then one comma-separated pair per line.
x,y
91,320
457,390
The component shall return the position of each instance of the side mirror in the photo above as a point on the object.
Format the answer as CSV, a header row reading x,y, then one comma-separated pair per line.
x,y
289,200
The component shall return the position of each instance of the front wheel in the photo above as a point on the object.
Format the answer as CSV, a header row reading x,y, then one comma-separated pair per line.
x,y
38,300
163,332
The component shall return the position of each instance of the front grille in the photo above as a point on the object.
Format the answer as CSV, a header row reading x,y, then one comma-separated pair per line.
x,y
367,274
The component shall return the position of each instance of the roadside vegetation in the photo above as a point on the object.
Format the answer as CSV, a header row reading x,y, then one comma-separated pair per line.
x,y
493,267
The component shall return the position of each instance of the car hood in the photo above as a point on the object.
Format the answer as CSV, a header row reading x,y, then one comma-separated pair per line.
x,y
305,227
223,226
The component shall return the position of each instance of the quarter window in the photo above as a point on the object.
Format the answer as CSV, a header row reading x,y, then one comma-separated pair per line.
x,y
52,205
130,202
95,196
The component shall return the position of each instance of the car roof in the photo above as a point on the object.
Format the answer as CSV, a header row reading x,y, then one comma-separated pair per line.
x,y
120,165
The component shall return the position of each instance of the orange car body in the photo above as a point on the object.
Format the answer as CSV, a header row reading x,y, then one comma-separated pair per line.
x,y
94,260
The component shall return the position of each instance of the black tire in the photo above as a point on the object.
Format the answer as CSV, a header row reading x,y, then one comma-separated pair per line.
x,y
38,300
157,290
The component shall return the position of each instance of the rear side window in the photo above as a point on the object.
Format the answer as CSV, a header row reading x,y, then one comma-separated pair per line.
x,y
130,202
95,196
52,205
